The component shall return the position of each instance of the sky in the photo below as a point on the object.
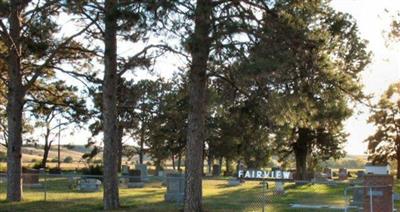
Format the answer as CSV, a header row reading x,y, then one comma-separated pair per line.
x,y
373,19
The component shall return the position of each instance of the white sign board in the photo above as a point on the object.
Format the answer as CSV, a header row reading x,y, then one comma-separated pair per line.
x,y
260,174
379,170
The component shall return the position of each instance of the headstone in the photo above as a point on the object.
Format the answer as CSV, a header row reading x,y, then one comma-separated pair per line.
x,y
143,172
134,176
235,182
72,181
279,188
378,193
320,177
216,170
175,188
30,178
135,179
166,173
279,185
89,184
343,174
125,170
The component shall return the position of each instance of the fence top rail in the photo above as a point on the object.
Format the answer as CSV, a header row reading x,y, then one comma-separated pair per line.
x,y
68,175
76,175
369,186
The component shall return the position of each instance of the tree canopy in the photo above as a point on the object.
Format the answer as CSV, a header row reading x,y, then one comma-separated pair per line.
x,y
384,145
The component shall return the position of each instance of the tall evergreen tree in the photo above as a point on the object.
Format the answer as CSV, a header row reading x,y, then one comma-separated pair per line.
x,y
167,137
27,30
307,66
116,21
109,109
304,70
219,33
384,145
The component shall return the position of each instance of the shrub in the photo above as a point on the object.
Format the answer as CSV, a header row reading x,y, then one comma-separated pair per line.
x,y
37,165
93,170
54,160
55,170
68,159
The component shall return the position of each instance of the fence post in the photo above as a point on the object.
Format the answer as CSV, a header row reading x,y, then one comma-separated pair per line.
x,y
264,197
370,199
346,200
392,201
45,186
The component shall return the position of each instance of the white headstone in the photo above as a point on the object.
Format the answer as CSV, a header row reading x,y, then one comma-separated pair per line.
x,y
279,188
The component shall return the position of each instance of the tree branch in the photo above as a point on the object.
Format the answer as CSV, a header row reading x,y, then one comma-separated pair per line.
x,y
46,63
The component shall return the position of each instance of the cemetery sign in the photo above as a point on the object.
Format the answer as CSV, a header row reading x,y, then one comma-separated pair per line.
x,y
260,174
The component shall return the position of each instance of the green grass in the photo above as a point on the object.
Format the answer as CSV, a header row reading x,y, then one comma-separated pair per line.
x,y
217,197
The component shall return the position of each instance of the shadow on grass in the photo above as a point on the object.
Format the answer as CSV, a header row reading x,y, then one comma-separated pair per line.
x,y
128,203
253,199
246,197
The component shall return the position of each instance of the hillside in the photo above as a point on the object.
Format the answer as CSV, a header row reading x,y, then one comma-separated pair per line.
x,y
30,154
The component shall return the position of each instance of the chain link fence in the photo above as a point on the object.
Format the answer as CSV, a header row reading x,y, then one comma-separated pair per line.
x,y
260,196
309,196
71,186
370,198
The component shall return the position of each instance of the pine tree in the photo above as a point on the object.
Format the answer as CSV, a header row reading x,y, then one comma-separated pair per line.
x,y
27,31
384,145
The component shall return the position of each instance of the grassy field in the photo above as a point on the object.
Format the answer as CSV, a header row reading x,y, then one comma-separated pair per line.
x,y
218,196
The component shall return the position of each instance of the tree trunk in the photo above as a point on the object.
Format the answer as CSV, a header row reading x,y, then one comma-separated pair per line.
x,y
173,162
45,156
15,103
199,48
141,151
398,164
202,158
398,160
179,162
210,162
209,165
119,141
228,166
157,163
301,151
110,153
46,149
